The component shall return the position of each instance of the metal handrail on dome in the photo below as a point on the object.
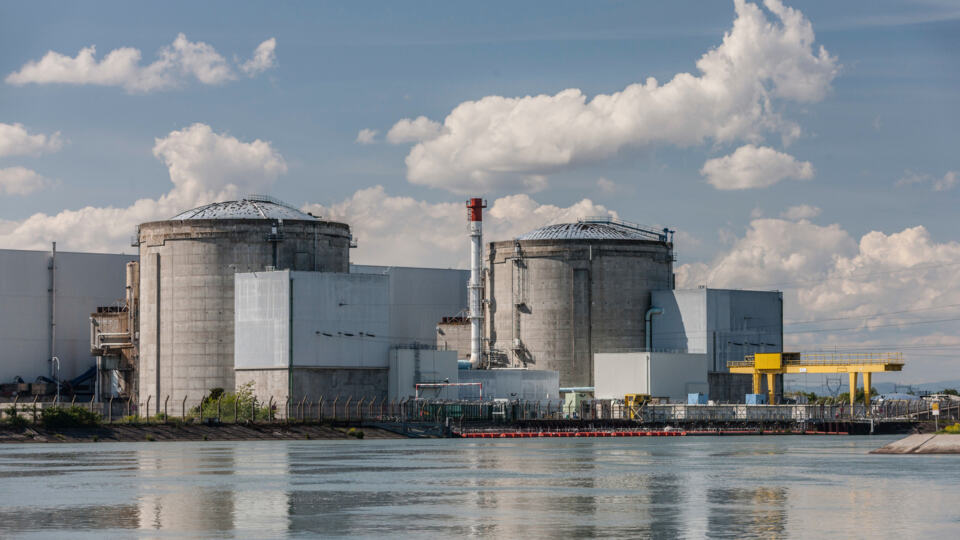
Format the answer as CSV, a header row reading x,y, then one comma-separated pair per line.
x,y
663,235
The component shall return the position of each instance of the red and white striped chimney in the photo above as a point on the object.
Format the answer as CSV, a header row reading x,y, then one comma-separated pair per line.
x,y
475,287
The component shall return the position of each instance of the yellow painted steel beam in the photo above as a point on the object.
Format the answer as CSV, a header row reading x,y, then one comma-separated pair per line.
x,y
857,368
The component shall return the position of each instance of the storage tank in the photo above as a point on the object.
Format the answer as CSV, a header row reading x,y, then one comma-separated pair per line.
x,y
560,293
187,267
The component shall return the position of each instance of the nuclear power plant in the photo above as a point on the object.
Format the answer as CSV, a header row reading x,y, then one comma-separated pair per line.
x,y
257,293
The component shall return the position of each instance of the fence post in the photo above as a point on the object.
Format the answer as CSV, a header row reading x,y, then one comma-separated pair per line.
x,y
166,418
287,406
35,398
110,410
360,408
335,400
320,409
270,409
73,401
147,408
89,404
183,408
203,398
129,412
300,412
253,410
346,408
219,409
236,409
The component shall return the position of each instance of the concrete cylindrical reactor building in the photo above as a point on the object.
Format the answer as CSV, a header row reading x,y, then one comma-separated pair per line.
x,y
563,292
187,267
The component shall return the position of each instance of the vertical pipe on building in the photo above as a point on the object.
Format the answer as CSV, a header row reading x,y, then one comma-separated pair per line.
x,y
475,216
53,306
156,365
649,327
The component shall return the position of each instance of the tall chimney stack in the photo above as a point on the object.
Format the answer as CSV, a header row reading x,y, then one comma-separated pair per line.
x,y
475,288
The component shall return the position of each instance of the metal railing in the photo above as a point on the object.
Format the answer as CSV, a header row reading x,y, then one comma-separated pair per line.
x,y
351,409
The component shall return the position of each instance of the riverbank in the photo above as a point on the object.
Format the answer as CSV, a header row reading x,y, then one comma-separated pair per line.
x,y
189,432
927,443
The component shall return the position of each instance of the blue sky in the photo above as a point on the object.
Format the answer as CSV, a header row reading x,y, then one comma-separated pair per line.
x,y
880,139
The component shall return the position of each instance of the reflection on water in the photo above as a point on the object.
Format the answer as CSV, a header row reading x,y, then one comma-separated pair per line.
x,y
765,487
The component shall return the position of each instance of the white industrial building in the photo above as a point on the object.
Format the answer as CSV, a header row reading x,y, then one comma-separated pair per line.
x,y
724,324
327,334
46,299
657,374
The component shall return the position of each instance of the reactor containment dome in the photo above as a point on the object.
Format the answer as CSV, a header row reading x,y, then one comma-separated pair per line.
x,y
561,293
187,273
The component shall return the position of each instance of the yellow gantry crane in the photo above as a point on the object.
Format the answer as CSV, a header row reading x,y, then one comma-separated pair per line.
x,y
771,364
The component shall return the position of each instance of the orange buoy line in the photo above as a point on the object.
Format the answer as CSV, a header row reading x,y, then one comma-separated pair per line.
x,y
538,434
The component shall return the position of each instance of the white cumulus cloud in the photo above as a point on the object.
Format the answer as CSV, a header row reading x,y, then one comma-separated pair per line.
x,y
754,167
397,230
204,166
263,58
21,181
877,289
15,140
419,129
944,183
499,142
800,211
366,136
175,64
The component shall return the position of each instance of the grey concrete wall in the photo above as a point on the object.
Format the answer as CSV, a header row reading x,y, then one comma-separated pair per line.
x,y
84,281
455,337
187,292
526,384
411,366
313,383
725,324
562,301
419,298
344,382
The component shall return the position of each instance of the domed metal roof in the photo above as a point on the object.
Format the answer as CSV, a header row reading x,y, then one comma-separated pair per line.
x,y
602,228
250,207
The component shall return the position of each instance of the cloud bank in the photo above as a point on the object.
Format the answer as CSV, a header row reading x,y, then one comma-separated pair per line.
x,y
395,230
754,167
177,63
15,140
204,166
501,143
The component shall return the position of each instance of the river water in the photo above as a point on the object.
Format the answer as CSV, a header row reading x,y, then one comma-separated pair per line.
x,y
728,487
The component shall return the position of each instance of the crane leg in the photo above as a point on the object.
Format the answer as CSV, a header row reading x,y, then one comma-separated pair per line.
x,y
853,389
771,388
866,390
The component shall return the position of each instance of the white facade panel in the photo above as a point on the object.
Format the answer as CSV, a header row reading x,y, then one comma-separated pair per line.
x,y
419,298
84,281
338,320
670,375
262,320
512,384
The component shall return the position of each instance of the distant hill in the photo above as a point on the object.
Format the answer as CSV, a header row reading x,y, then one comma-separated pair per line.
x,y
881,387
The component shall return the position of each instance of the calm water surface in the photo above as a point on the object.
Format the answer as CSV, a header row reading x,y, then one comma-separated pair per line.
x,y
730,487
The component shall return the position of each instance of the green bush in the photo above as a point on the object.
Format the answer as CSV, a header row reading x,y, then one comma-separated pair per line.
x,y
150,437
14,420
230,406
954,429
74,416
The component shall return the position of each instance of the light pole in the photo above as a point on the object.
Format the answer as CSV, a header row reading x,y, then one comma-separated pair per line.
x,y
56,376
